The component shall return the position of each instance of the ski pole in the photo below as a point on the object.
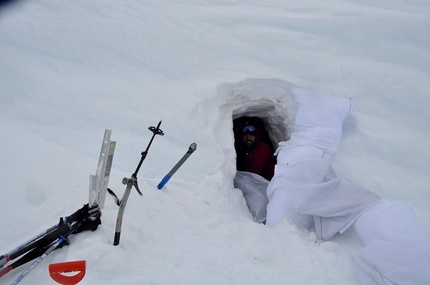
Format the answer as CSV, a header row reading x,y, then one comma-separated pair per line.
x,y
37,261
166,178
130,182
83,219
22,248
54,246
37,248
32,254
65,230
28,249
155,131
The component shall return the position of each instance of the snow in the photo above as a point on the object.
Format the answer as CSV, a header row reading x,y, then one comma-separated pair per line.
x,y
69,70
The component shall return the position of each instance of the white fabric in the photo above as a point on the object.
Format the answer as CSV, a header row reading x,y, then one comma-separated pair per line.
x,y
312,188
254,189
397,245
281,207
319,120
366,274
304,173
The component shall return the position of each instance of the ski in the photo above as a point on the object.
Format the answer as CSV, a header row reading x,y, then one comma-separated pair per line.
x,y
132,182
31,250
86,218
169,175
63,239
5,258
99,182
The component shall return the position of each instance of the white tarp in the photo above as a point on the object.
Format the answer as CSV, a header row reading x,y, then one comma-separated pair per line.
x,y
254,189
306,190
314,190
397,246
304,173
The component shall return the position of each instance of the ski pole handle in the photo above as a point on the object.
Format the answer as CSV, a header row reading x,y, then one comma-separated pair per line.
x,y
155,131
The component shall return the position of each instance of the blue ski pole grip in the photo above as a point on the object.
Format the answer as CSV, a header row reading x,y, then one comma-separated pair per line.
x,y
163,181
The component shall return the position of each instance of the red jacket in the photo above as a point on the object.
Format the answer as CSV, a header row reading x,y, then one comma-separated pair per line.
x,y
258,160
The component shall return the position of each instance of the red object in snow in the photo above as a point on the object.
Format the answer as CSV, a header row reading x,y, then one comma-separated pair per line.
x,y
56,271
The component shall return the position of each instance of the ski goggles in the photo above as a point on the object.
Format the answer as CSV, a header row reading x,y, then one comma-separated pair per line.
x,y
248,129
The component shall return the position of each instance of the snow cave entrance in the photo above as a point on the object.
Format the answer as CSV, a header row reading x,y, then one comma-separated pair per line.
x,y
268,103
241,122
265,103
272,131
272,125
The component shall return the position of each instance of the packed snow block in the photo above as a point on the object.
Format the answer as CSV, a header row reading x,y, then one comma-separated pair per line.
x,y
254,189
304,174
397,245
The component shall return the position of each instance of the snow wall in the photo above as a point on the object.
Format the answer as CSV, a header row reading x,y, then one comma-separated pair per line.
x,y
269,99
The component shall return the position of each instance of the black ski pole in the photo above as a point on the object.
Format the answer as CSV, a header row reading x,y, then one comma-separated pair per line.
x,y
62,239
130,182
38,260
40,240
38,251
155,131
83,219
24,247
166,178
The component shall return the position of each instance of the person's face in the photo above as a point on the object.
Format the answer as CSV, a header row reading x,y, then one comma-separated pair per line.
x,y
248,139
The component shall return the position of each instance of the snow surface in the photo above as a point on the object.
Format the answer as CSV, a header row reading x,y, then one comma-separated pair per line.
x,y
71,69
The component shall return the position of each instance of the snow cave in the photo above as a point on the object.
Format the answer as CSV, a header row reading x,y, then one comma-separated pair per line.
x,y
266,103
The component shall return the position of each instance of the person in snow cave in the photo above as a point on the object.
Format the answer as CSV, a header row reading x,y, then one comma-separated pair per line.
x,y
256,155
306,190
